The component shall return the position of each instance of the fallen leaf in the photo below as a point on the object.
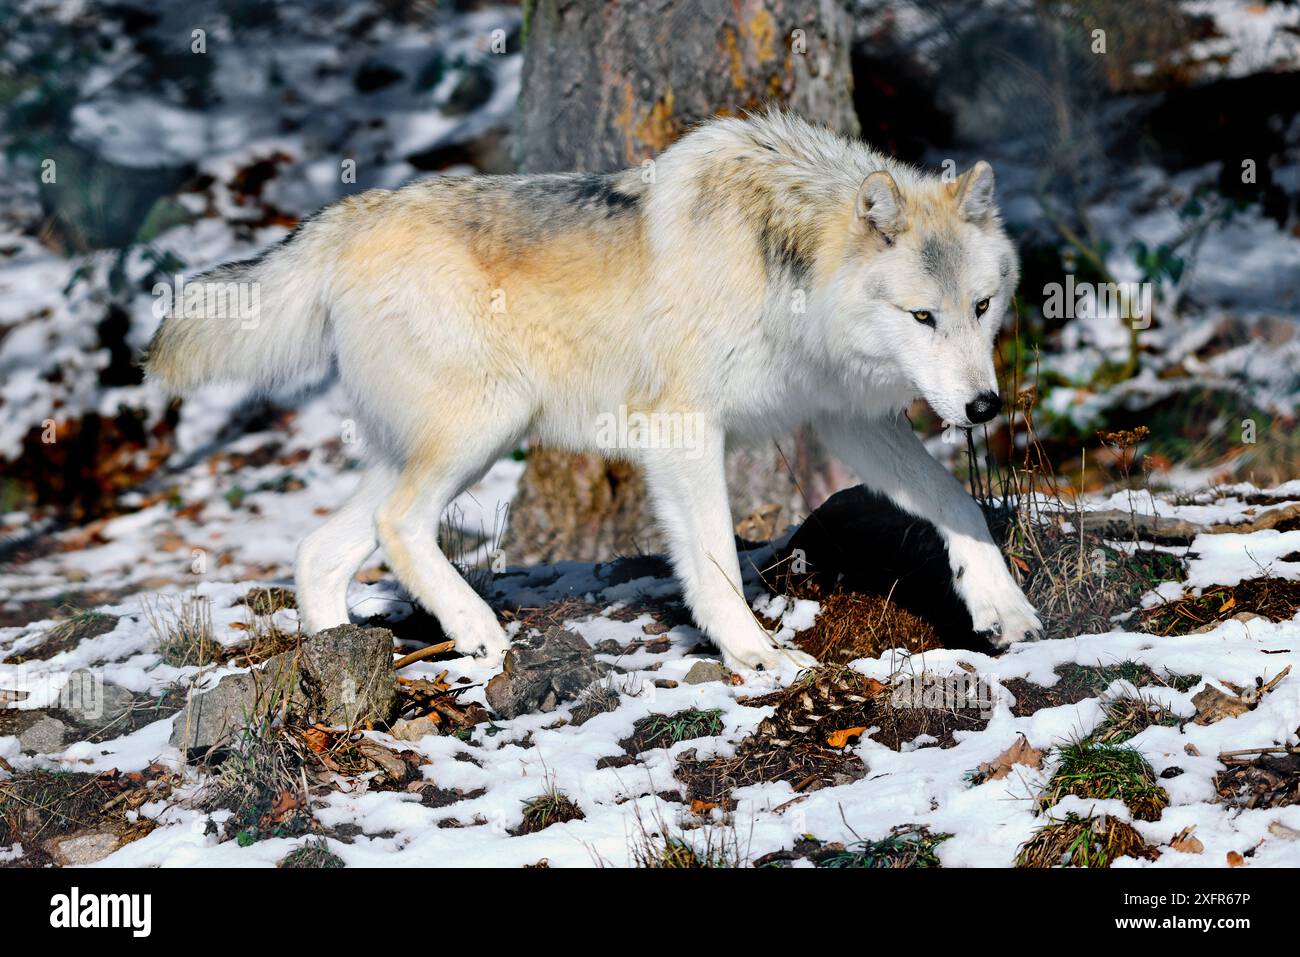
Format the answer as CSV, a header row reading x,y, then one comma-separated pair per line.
x,y
1230,603
702,807
1183,841
839,739
1278,829
1214,705
1019,753
318,738
1235,859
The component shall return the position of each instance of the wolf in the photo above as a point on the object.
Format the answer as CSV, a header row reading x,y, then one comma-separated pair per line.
x,y
760,274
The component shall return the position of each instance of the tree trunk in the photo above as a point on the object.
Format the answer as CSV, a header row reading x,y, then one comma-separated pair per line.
x,y
607,86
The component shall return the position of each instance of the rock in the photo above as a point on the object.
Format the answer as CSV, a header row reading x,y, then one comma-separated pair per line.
x,y
703,672
97,706
44,735
213,718
609,646
341,676
414,729
347,672
84,848
541,671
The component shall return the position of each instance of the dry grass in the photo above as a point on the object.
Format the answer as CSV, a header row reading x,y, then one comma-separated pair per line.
x,y
806,741
66,635
182,631
314,854
850,625
1083,842
1277,599
550,807
656,845
1127,715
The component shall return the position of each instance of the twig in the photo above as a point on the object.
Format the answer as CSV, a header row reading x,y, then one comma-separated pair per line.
x,y
423,653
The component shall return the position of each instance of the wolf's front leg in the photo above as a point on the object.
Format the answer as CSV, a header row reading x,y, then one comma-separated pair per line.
x,y
890,459
689,491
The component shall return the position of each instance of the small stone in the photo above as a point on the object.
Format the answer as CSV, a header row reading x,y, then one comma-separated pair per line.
x,y
104,706
83,848
45,735
703,672
665,683
609,646
414,729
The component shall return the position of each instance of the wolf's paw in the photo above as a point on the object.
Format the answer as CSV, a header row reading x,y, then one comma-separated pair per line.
x,y
762,654
1007,620
481,637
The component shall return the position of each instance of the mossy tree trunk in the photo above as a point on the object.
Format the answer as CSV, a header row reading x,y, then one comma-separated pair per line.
x,y
607,86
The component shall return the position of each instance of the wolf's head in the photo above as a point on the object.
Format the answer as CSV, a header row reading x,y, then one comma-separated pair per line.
x,y
929,275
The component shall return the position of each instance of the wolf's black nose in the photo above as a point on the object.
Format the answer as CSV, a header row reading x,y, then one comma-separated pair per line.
x,y
983,407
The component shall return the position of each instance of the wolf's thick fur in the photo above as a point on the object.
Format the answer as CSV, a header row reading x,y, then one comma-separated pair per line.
x,y
763,274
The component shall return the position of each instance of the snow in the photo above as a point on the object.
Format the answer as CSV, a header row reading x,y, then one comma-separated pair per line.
x,y
527,755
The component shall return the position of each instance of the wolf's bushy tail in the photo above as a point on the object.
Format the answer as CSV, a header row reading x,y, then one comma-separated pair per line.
x,y
263,321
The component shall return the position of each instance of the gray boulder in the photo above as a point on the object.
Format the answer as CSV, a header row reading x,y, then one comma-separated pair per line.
x,y
341,676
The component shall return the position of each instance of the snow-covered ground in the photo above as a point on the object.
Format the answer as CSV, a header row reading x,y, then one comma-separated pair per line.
x,y
524,757
233,492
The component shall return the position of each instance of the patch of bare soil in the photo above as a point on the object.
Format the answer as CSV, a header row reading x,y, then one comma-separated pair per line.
x,y
1269,779
45,810
1080,682
1276,599
267,601
65,636
805,742
665,730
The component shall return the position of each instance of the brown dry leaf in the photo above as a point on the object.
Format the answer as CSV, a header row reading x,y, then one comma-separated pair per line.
x,y
702,807
840,739
284,805
1235,859
318,737
1183,841
1019,753
383,759
1278,829
1214,705
1192,750
1230,603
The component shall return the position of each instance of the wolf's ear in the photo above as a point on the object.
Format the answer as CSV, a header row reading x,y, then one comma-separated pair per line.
x,y
880,206
973,192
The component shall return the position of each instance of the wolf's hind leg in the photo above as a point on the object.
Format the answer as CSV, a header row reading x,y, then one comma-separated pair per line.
x,y
407,524
689,491
329,557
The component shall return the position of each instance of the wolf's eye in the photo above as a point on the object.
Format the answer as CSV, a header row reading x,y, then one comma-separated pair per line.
x,y
981,307
923,316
